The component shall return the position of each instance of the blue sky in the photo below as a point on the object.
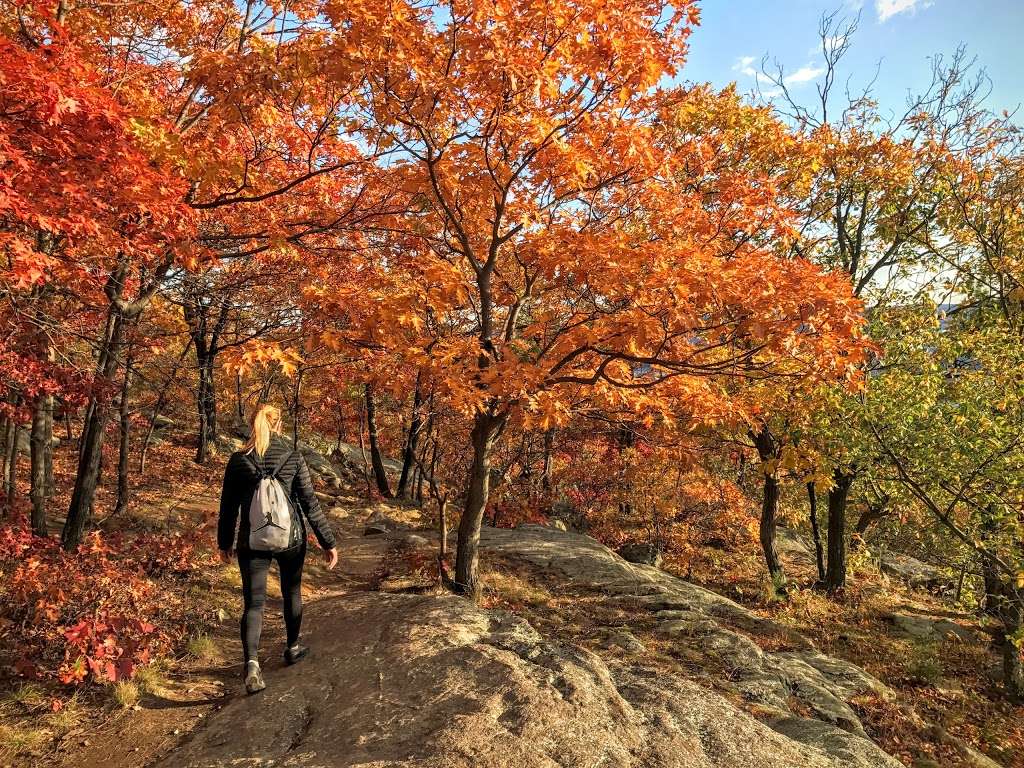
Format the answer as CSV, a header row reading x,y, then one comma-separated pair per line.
x,y
735,35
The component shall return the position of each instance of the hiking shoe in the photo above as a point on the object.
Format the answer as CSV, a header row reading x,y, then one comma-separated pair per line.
x,y
295,654
253,678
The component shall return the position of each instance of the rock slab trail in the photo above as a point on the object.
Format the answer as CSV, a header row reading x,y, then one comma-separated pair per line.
x,y
433,681
412,680
137,738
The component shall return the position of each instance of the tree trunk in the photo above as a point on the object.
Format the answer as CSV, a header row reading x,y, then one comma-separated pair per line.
x,y
6,445
1012,614
421,465
124,446
486,427
206,402
409,456
767,449
767,529
362,453
48,454
239,405
205,333
341,430
819,553
442,528
97,414
267,385
375,458
12,464
835,574
66,415
549,450
41,445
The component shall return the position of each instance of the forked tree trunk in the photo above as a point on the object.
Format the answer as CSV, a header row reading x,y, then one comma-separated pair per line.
x,y
819,552
767,450
835,573
97,413
486,427
206,402
376,461
41,444
207,343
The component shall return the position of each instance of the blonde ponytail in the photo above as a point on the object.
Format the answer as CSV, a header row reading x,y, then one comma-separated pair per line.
x,y
266,420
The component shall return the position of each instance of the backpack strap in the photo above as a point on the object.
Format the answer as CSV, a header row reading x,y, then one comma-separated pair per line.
x,y
281,463
261,471
258,466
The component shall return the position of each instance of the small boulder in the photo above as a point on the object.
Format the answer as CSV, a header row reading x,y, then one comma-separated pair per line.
x,y
642,554
913,572
415,541
624,639
379,524
931,627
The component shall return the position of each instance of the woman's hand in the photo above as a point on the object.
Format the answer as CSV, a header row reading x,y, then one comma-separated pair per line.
x,y
331,556
226,556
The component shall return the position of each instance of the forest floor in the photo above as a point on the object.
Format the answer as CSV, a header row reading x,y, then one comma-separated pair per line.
x,y
949,683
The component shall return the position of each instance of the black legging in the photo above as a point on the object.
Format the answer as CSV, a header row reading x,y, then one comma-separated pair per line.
x,y
254,568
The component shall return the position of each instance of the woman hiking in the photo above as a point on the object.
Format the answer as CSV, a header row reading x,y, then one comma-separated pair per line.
x,y
269,483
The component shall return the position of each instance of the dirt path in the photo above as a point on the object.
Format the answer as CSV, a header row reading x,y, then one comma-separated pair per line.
x,y
138,737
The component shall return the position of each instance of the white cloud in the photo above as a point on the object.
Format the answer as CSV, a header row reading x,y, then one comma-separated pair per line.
x,y
804,75
830,43
886,9
744,64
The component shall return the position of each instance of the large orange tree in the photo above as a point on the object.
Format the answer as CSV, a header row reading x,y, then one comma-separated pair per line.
x,y
555,243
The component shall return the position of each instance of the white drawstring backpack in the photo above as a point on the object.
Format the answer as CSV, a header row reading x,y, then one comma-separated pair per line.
x,y
270,512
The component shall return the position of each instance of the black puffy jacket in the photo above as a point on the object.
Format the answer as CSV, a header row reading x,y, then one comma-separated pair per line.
x,y
241,480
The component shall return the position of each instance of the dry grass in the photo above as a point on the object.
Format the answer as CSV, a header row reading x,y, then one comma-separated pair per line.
x,y
26,698
502,587
125,693
202,647
69,716
150,678
20,741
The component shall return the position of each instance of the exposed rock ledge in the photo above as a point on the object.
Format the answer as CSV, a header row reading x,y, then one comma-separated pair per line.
x,y
433,681
403,680
722,630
